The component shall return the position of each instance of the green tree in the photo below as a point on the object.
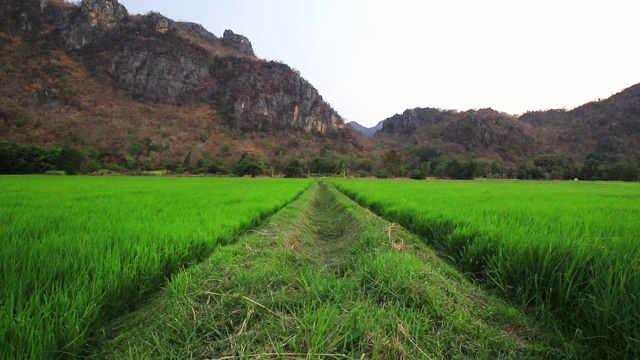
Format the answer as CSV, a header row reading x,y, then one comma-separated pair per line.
x,y
249,164
523,174
187,160
555,166
426,154
154,147
8,157
219,168
341,167
625,171
202,165
170,166
420,173
454,169
322,165
496,170
71,160
135,149
471,169
591,169
392,161
295,169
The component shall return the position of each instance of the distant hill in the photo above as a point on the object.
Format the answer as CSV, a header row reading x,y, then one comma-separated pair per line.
x,y
146,92
368,132
484,133
609,127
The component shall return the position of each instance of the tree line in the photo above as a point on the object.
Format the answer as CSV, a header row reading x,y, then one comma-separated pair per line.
x,y
596,166
35,159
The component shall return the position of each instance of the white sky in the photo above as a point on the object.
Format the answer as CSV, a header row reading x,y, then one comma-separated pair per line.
x,y
371,59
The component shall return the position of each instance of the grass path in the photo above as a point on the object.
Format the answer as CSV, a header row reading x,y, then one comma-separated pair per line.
x,y
325,278
329,231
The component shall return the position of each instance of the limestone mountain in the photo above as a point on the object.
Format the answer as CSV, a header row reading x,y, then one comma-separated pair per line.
x,y
91,74
484,133
610,127
607,128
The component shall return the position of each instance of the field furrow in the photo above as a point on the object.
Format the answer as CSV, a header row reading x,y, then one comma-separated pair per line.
x,y
130,268
324,278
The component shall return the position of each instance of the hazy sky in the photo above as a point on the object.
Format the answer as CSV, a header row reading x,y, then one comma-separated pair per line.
x,y
372,59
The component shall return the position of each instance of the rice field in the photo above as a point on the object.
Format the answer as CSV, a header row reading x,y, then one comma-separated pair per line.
x,y
325,279
78,251
567,250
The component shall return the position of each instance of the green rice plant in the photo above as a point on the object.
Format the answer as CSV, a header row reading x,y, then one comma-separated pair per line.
x,y
566,249
280,292
77,251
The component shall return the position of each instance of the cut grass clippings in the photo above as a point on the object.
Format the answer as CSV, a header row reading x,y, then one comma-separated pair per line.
x,y
325,278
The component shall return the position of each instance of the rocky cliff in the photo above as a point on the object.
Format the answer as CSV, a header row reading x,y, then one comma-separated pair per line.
x,y
146,92
158,60
237,42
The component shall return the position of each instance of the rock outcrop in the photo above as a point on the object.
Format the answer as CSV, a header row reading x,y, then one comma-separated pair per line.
x,y
280,99
159,60
104,14
238,42
412,119
89,24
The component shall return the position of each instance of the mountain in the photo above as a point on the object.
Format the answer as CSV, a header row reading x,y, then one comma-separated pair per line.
x,y
607,129
368,132
145,92
484,133
94,76
610,127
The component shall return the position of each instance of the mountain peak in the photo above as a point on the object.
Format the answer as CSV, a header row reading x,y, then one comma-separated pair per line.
x,y
237,42
104,13
96,18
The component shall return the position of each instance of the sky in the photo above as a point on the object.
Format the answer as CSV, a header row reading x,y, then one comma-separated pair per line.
x,y
371,59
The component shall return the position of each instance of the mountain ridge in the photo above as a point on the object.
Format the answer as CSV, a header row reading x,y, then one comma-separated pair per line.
x,y
610,126
144,91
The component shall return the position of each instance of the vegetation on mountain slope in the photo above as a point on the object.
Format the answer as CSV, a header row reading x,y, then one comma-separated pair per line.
x,y
143,93
595,141
147,91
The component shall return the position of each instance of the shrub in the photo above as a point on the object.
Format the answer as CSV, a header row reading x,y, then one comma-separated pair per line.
x,y
294,169
71,160
249,164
